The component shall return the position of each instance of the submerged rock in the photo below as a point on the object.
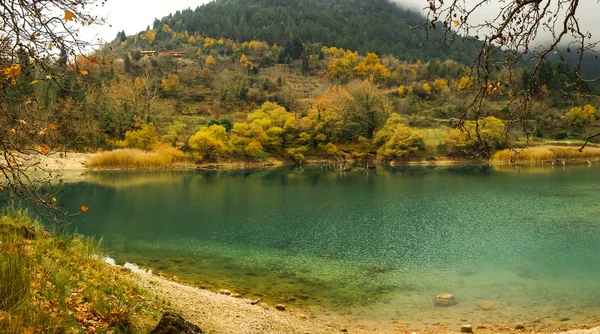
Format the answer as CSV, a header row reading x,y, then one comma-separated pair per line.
x,y
445,299
254,302
172,323
488,305
224,292
280,307
466,329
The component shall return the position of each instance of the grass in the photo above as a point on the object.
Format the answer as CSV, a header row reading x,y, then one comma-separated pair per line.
x,y
130,158
57,284
541,154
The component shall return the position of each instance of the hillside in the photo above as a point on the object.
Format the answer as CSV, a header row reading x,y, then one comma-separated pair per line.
x,y
365,26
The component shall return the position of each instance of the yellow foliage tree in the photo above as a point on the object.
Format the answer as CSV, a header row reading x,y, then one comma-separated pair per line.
x,y
208,42
579,117
210,61
145,138
441,85
397,140
464,83
170,83
209,142
243,59
149,36
427,88
274,120
401,90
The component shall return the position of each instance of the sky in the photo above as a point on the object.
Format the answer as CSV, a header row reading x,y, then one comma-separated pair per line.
x,y
133,16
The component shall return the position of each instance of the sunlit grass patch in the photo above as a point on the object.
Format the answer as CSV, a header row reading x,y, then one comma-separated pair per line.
x,y
130,158
541,154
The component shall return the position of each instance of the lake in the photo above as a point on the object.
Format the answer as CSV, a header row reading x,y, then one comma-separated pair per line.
x,y
369,247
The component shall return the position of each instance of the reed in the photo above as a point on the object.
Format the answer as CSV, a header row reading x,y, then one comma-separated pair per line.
x,y
130,158
541,154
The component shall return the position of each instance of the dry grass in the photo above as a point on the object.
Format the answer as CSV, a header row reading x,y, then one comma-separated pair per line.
x,y
542,154
131,158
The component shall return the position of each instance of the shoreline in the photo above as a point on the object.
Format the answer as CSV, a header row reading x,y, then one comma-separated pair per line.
x,y
208,308
76,162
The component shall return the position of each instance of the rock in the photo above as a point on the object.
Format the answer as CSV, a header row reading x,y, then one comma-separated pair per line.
x,y
264,306
466,329
520,327
565,319
254,302
224,292
445,299
487,305
236,295
171,323
280,307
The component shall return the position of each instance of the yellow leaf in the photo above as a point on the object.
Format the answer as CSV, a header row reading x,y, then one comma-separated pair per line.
x,y
53,199
51,126
1,188
49,77
22,122
50,46
84,208
34,82
83,72
44,149
13,131
42,131
456,23
69,15
28,102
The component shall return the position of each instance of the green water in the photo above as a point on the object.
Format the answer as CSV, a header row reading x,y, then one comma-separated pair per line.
x,y
370,247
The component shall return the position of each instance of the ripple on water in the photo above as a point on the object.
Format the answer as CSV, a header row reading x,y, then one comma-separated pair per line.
x,y
376,247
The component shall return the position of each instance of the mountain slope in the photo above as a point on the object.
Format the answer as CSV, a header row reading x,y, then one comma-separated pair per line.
x,y
375,26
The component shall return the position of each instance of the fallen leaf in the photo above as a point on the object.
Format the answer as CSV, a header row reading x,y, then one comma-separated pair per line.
x,y
456,23
83,72
84,208
51,126
34,82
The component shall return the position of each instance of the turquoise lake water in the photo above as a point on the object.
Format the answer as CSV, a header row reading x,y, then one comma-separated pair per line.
x,y
512,245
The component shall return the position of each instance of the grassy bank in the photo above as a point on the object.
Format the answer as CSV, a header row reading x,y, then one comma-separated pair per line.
x,y
545,154
57,284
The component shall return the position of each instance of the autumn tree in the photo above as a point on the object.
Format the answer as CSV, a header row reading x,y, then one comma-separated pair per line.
x,y
509,38
275,121
580,117
145,138
397,140
210,142
35,35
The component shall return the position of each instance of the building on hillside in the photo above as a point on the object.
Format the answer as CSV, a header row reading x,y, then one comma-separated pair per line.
x,y
151,53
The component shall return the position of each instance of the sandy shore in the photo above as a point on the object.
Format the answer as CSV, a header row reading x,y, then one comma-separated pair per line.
x,y
219,313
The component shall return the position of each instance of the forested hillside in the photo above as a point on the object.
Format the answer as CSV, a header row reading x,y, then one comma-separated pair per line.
x,y
377,26
212,98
